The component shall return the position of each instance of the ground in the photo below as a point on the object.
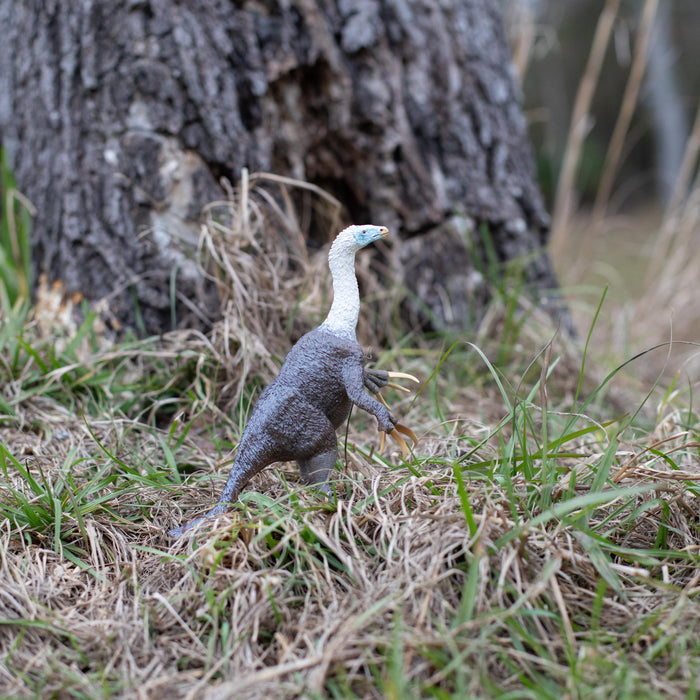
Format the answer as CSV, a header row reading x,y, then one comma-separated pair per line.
x,y
541,541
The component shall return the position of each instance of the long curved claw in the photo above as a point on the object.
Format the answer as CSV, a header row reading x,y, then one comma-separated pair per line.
x,y
401,442
381,400
396,433
407,431
403,375
393,385
376,379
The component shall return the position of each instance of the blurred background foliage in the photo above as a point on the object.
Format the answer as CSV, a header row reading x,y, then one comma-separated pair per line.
x,y
555,40
611,91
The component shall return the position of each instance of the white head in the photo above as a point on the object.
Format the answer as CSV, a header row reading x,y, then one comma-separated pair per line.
x,y
353,238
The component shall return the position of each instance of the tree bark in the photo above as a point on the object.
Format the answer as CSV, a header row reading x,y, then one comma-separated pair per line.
x,y
121,118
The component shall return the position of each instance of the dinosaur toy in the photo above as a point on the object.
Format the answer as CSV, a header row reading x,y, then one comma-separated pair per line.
x,y
323,375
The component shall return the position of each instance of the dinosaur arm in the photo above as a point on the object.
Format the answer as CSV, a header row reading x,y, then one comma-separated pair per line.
x,y
354,380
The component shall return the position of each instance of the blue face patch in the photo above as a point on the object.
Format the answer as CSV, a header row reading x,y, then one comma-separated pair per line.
x,y
367,234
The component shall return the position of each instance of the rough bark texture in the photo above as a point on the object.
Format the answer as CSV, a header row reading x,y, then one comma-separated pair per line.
x,y
120,118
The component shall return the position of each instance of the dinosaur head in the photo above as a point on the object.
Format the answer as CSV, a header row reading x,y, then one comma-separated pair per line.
x,y
359,236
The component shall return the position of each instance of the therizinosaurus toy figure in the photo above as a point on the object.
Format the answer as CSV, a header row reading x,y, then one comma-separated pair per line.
x,y
323,375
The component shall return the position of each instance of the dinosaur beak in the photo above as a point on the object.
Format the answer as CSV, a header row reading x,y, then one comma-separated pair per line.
x,y
384,231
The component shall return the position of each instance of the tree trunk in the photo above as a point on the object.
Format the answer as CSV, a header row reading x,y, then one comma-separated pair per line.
x,y
120,118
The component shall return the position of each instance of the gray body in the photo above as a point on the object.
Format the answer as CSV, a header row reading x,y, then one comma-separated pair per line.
x,y
297,415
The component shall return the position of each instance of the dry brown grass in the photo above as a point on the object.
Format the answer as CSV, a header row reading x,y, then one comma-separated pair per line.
x,y
290,596
482,565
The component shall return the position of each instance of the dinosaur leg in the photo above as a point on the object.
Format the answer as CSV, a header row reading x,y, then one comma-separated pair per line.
x,y
318,470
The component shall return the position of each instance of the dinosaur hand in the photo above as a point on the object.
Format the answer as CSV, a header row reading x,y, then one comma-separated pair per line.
x,y
376,379
380,379
396,434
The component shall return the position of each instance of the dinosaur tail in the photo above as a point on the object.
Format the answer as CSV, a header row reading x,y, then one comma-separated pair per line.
x,y
250,460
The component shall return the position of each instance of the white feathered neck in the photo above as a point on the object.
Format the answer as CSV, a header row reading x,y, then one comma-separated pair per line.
x,y
345,310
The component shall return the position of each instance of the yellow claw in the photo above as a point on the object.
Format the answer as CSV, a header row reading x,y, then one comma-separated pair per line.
x,y
408,432
398,386
401,442
382,441
404,375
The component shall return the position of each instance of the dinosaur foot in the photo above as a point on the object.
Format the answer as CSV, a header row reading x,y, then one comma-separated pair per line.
x,y
189,526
